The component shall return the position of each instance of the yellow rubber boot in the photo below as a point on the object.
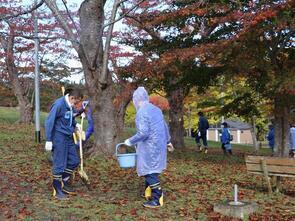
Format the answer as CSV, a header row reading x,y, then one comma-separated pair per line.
x,y
148,193
161,200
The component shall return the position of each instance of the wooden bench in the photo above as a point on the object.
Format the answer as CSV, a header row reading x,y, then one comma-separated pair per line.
x,y
271,167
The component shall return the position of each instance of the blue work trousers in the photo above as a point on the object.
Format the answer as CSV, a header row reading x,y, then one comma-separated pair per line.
x,y
65,155
203,136
151,179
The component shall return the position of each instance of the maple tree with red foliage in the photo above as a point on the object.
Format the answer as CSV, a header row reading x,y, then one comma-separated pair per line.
x,y
92,42
177,42
160,102
264,56
17,51
181,43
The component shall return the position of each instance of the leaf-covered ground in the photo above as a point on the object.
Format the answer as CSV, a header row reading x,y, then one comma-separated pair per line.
x,y
193,183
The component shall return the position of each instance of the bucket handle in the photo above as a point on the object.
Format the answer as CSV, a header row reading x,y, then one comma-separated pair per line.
x,y
120,144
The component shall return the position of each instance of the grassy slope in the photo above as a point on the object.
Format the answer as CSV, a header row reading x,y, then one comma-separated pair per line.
x,y
11,115
193,183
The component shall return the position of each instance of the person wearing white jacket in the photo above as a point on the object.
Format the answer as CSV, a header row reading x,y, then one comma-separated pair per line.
x,y
151,138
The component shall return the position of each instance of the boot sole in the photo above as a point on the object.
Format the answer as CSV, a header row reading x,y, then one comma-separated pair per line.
x,y
62,199
56,197
70,193
152,207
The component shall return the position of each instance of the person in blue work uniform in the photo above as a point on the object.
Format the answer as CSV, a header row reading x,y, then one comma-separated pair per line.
x,y
225,139
292,140
85,108
271,137
203,126
152,136
59,127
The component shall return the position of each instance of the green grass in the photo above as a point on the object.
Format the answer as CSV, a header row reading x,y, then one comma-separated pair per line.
x,y
193,182
11,115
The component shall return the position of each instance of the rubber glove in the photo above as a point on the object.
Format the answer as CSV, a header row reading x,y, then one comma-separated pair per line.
x,y
85,104
48,146
170,147
127,142
83,115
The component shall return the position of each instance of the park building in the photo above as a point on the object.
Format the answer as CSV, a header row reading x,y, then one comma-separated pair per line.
x,y
240,131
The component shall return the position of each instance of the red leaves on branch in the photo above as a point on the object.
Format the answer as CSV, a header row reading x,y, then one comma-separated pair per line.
x,y
199,12
21,30
124,95
160,102
210,53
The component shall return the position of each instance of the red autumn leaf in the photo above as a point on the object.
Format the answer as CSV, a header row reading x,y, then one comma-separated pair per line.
x,y
133,212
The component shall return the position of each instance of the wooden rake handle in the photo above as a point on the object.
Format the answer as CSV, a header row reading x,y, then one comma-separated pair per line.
x,y
80,143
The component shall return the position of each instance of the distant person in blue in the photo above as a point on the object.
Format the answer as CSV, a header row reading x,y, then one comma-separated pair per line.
x,y
271,137
59,128
203,126
89,130
225,139
292,140
152,136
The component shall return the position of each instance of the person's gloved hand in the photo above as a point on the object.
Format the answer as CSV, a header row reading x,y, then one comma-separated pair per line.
x,y
78,127
83,115
48,146
127,142
85,104
199,133
170,147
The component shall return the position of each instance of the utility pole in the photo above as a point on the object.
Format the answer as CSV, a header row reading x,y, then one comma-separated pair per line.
x,y
222,98
37,79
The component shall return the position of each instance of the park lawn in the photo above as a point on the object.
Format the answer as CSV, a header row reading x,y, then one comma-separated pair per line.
x,y
193,183
11,115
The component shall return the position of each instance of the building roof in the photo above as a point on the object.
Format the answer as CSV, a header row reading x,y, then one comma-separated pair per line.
x,y
237,124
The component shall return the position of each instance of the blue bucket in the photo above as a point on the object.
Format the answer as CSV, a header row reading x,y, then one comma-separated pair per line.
x,y
227,146
126,160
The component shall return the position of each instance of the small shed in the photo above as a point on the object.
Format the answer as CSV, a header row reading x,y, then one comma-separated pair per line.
x,y
241,132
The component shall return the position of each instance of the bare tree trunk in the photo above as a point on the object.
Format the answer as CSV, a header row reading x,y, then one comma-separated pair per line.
x,y
99,85
189,121
254,134
122,101
282,128
25,107
108,118
104,119
175,98
94,57
120,120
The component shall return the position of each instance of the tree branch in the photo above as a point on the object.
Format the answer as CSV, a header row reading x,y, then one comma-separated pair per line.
x,y
103,77
62,21
23,13
124,15
32,37
71,18
149,31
